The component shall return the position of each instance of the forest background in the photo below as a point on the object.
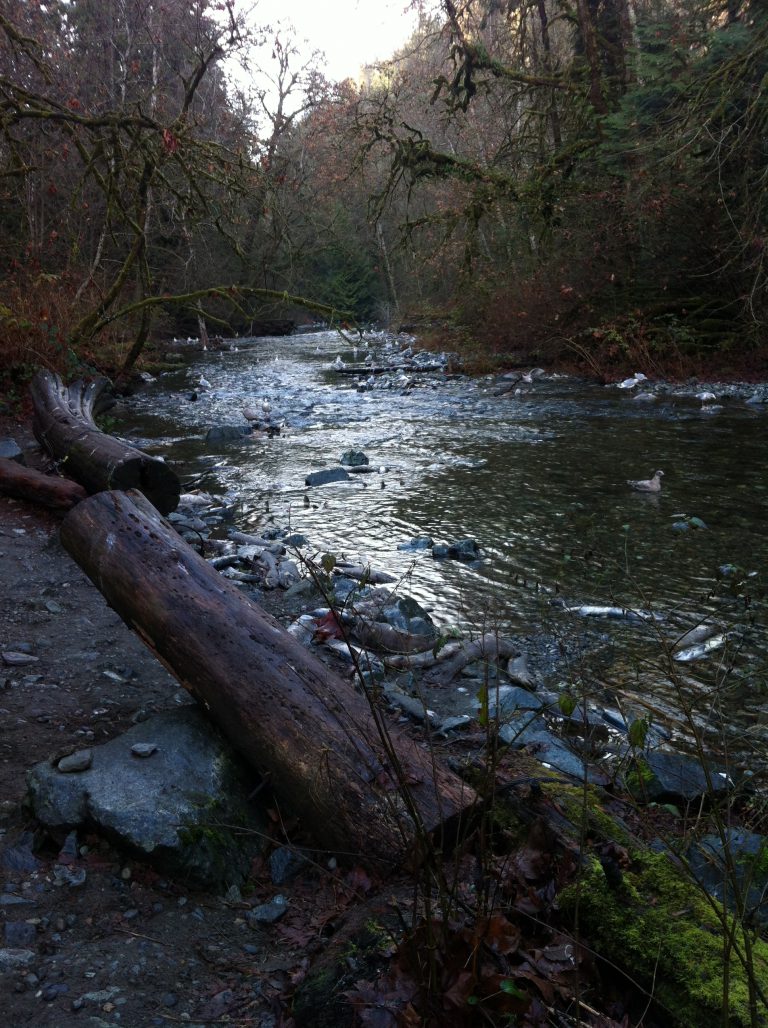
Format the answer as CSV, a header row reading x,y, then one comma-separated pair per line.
x,y
580,181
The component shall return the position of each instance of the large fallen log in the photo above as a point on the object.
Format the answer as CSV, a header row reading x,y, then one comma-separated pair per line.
x,y
29,484
359,785
64,424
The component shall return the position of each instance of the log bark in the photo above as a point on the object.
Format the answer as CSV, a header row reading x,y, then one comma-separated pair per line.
x,y
29,484
320,742
64,424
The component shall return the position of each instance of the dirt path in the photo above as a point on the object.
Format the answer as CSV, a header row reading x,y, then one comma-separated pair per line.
x,y
124,946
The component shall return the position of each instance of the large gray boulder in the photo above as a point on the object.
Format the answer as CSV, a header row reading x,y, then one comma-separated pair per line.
x,y
169,789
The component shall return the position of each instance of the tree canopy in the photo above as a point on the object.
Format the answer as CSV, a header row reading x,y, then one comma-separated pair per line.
x,y
584,177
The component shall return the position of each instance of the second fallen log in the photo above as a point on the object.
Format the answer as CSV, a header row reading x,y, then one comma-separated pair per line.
x,y
29,484
64,424
358,788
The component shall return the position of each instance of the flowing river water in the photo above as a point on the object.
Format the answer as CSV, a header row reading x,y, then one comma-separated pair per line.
x,y
539,480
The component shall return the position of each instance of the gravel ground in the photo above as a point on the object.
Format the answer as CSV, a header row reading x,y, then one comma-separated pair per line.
x,y
89,935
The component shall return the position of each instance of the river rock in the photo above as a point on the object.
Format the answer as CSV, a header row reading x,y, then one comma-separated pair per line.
x,y
354,459
663,776
748,854
174,809
419,542
409,616
326,476
10,450
14,958
15,658
465,550
511,698
74,762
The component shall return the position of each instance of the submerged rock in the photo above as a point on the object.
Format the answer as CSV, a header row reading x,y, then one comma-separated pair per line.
x,y
227,433
419,542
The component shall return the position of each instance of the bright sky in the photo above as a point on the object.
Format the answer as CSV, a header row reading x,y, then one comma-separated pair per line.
x,y
351,32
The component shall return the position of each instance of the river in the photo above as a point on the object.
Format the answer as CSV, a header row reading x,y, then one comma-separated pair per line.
x,y
539,480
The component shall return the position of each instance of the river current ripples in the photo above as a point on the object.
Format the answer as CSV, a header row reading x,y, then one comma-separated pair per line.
x,y
539,480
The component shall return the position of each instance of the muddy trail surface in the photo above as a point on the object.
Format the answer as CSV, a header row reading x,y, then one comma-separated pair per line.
x,y
91,936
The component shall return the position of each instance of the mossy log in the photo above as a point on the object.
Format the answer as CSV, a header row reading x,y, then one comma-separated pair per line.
x,y
34,486
64,424
359,786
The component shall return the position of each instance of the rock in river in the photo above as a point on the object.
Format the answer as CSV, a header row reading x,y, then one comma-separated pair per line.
x,y
326,475
353,459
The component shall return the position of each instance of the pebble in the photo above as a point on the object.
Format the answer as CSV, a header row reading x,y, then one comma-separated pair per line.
x,y
11,958
169,999
143,749
16,659
81,760
51,992
268,913
72,876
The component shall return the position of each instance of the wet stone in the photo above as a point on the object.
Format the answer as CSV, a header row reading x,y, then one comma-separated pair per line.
x,y
326,476
419,542
353,458
673,777
54,990
284,863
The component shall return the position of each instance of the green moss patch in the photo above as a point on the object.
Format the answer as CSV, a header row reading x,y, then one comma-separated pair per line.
x,y
656,926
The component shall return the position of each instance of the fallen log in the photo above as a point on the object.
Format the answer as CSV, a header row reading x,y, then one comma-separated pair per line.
x,y
359,786
29,484
64,424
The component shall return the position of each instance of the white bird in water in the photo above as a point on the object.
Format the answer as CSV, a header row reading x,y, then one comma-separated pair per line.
x,y
203,383
648,485
706,397
266,406
338,364
630,383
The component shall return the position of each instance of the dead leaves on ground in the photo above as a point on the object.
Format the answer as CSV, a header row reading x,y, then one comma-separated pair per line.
x,y
510,963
